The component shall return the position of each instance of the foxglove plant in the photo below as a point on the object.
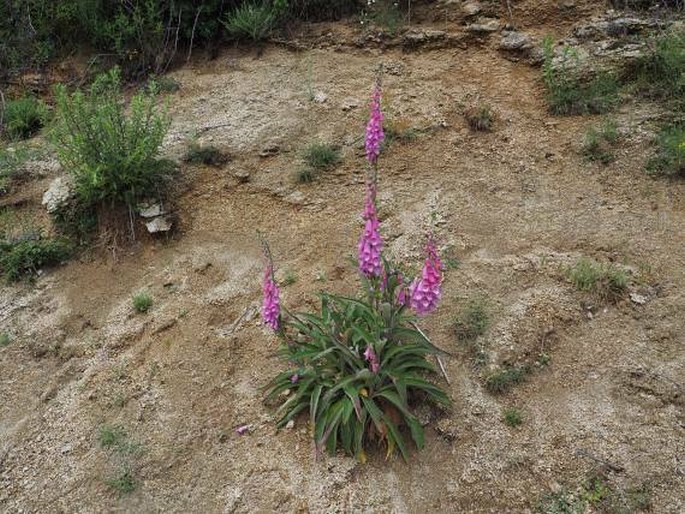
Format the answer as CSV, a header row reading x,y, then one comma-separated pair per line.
x,y
360,365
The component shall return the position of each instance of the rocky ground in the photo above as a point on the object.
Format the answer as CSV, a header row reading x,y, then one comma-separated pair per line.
x,y
513,209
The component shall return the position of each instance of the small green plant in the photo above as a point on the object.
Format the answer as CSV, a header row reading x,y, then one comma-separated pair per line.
x,y
321,156
472,320
501,380
598,142
603,280
253,20
112,155
5,339
306,175
670,155
142,302
24,255
660,72
12,160
400,131
567,94
512,417
480,118
208,155
165,84
23,118
289,279
124,451
385,14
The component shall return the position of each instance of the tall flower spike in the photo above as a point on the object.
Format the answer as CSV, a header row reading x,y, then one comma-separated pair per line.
x,y
374,129
371,357
370,242
425,292
271,307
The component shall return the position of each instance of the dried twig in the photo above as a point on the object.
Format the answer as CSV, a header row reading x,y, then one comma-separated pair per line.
x,y
611,467
192,34
437,357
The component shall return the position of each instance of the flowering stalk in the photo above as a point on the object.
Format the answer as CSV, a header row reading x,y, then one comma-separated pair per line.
x,y
372,358
271,305
370,243
374,128
425,292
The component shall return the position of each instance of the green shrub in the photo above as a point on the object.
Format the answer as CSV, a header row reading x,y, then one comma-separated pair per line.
x,y
23,118
348,404
513,417
208,155
252,20
480,118
597,144
567,94
670,155
113,156
661,72
604,280
25,256
321,156
501,380
142,302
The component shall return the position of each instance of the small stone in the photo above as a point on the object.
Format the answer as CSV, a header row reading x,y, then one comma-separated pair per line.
x,y
515,41
320,97
58,194
295,198
290,424
270,150
150,210
243,176
638,298
160,224
471,8
349,103
484,25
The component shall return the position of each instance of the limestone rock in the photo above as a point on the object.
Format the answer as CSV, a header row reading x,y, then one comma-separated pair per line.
x,y
61,190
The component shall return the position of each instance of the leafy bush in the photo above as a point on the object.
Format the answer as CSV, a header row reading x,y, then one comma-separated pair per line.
x,y
670,156
330,377
142,302
24,257
567,94
604,280
513,417
23,118
597,145
113,156
252,20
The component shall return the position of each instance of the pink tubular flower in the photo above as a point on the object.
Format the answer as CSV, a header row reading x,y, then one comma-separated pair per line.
x,y
370,242
425,292
374,129
372,358
271,307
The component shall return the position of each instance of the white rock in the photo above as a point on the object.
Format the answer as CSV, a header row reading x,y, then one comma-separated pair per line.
x,y
160,224
638,298
59,193
320,97
150,210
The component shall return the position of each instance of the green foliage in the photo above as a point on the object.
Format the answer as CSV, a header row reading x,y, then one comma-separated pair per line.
x,y
252,20
208,155
567,94
11,161
142,302
321,156
480,118
598,142
23,118
670,155
289,279
332,379
513,417
5,339
501,380
385,14
603,280
113,156
472,320
321,10
25,255
115,439
661,73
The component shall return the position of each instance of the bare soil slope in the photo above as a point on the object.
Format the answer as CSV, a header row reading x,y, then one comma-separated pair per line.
x,y
514,206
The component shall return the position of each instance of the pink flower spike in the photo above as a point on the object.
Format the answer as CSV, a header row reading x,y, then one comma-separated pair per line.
x,y
425,292
374,128
271,308
372,358
370,248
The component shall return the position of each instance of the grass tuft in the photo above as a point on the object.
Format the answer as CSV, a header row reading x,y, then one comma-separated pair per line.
x,y
480,118
142,302
23,118
321,156
208,155
603,280
512,417
504,379
598,142
670,155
